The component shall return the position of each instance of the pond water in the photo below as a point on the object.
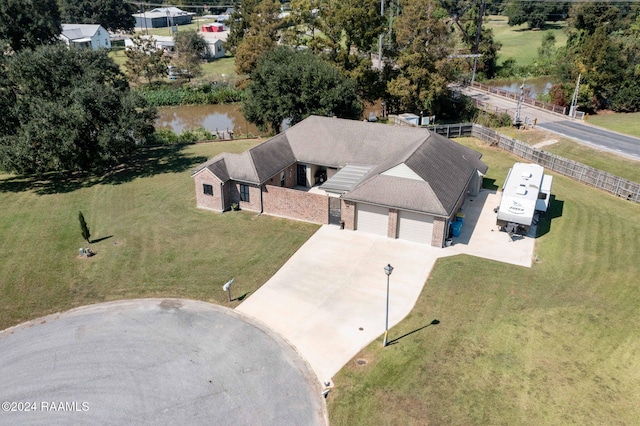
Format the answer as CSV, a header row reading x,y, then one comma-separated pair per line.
x,y
211,117
217,117
532,86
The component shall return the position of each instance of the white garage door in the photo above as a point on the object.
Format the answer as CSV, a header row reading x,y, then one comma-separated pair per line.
x,y
415,227
372,219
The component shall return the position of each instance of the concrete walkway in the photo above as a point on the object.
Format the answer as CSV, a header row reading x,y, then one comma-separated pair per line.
x,y
329,299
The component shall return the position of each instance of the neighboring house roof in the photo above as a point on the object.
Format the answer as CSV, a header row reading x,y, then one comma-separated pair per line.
x,y
162,12
80,32
396,166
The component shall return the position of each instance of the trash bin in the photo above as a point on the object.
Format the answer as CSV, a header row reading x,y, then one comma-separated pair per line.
x,y
460,217
456,227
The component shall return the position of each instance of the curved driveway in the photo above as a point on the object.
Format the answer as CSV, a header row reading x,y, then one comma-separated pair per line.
x,y
154,361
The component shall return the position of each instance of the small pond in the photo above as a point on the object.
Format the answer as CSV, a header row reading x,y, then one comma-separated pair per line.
x,y
211,117
217,117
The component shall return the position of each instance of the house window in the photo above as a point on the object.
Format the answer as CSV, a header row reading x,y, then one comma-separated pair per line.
x,y
244,193
208,189
282,179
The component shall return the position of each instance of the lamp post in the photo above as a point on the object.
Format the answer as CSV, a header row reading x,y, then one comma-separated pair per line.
x,y
387,270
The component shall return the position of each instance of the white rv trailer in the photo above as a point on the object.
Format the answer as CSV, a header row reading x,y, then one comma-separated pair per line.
x,y
525,192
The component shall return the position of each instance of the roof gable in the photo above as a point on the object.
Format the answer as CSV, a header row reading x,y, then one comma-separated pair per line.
x,y
403,171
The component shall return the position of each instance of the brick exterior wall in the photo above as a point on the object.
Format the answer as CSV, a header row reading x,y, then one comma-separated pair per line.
x,y
439,231
289,177
254,197
348,213
209,202
392,227
294,204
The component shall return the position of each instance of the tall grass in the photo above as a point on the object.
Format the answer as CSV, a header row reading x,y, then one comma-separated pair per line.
x,y
187,94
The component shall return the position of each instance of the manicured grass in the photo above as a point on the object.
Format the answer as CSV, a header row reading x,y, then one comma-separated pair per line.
x,y
548,345
520,43
222,69
602,160
627,123
150,238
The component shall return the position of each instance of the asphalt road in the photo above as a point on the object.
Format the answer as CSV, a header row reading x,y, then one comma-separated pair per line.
x,y
596,136
154,361
577,130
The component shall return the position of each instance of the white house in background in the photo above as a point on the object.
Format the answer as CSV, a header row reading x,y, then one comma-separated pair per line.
x,y
86,36
215,48
166,43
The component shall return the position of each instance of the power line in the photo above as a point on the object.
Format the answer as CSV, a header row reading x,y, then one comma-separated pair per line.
x,y
183,6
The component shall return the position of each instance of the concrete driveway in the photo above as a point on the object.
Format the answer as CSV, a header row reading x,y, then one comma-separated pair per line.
x,y
480,235
329,299
154,361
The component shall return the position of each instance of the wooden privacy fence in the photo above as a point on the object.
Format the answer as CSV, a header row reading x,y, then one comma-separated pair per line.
x,y
581,172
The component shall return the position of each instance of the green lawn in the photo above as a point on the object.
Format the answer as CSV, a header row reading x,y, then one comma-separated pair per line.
x,y
520,43
548,345
602,160
220,69
627,123
151,240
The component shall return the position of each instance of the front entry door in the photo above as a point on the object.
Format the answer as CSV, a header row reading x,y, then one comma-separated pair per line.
x,y
334,211
302,175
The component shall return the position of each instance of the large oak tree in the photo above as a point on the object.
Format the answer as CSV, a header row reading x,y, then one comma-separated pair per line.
x,y
29,23
291,85
70,109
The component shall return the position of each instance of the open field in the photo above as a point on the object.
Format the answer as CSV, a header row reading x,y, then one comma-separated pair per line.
x,y
603,160
150,239
627,123
520,43
554,344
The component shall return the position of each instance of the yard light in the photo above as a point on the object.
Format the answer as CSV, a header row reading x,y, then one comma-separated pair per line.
x,y
387,270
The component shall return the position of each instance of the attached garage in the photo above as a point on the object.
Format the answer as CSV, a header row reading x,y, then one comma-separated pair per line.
x,y
372,219
415,227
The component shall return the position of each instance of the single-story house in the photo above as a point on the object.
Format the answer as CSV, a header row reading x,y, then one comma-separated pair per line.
x,y
165,43
163,17
397,181
215,48
86,36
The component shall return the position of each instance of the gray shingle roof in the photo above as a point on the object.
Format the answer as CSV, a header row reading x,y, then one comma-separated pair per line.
x,y
444,166
336,142
272,156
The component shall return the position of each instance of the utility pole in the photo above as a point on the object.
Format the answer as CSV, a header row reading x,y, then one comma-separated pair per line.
x,y
477,46
574,100
517,120
380,39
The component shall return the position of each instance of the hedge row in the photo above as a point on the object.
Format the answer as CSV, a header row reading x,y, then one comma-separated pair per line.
x,y
191,95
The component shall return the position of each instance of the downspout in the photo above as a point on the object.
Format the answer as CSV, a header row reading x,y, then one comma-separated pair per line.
x,y
261,206
222,195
